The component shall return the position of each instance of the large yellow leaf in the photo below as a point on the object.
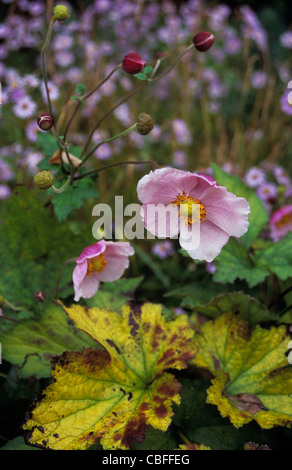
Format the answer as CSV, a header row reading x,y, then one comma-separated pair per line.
x,y
112,395
253,379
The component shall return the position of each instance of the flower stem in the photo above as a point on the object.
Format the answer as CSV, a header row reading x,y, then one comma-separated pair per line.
x,y
110,111
110,139
145,162
166,72
12,307
68,261
43,53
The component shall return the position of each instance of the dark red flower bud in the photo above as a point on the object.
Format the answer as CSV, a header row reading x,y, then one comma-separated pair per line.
x,y
203,41
40,296
45,121
133,63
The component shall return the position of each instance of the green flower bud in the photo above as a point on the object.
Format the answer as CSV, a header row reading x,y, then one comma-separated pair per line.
x,y
44,180
61,13
145,123
2,301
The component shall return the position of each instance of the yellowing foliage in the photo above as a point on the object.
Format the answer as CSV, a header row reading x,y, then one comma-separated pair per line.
x,y
111,395
253,379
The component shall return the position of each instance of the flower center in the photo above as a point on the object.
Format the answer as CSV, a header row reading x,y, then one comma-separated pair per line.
x,y
187,209
95,265
285,220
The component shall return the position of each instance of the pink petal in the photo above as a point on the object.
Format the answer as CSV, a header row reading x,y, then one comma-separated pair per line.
x,y
92,251
227,211
79,272
163,185
160,220
88,287
212,240
117,259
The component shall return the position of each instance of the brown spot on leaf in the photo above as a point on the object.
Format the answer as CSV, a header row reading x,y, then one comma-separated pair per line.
x,y
169,389
135,430
161,411
113,345
248,402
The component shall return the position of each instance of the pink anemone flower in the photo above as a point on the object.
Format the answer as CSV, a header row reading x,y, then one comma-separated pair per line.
x,y
220,214
281,222
104,261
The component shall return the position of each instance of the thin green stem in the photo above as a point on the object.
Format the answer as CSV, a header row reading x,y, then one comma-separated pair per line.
x,y
71,119
12,307
110,111
109,139
166,72
68,261
43,54
102,82
134,92
89,173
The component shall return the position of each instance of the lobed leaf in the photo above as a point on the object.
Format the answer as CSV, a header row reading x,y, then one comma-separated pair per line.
x,y
253,380
112,395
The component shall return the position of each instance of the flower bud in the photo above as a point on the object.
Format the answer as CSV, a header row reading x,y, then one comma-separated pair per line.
x,y
40,296
2,301
133,63
61,13
145,123
203,41
45,121
44,180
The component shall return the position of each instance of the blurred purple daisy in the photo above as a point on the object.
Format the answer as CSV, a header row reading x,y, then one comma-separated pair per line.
x,y
163,249
281,222
254,177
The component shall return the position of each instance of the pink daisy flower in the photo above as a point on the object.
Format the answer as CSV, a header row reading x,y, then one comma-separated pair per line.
x,y
104,261
219,213
281,222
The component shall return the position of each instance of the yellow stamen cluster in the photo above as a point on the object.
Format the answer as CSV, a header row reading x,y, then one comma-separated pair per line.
x,y
96,265
186,203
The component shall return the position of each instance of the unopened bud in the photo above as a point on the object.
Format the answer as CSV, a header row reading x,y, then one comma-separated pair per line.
x,y
61,13
145,123
133,63
40,296
2,301
203,41
44,180
45,121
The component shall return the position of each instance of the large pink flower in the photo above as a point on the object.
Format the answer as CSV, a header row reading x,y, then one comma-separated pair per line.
x,y
104,261
281,222
220,214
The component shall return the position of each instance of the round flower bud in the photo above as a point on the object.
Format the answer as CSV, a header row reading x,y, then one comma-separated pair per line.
x,y
40,296
2,301
61,13
45,121
203,41
145,123
133,63
44,180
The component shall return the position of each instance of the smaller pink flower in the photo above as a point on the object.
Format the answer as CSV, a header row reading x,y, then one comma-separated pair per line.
x,y
104,261
281,222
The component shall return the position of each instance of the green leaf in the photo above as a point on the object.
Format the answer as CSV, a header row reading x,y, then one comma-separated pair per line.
x,y
112,395
253,379
201,422
249,308
258,215
47,143
31,343
34,242
113,295
18,444
73,197
277,257
80,88
141,76
234,262
147,260
148,70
